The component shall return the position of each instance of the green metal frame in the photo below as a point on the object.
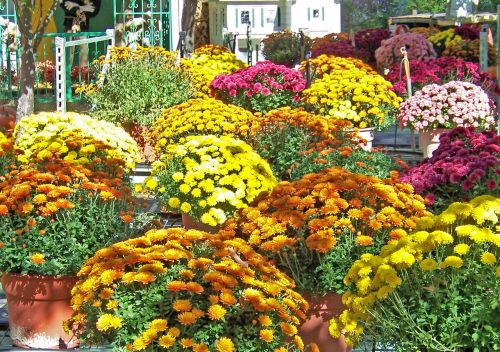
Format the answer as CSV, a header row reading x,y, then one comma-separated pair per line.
x,y
155,16
7,79
45,72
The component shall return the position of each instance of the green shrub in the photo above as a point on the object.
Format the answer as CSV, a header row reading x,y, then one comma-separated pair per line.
x,y
137,85
285,48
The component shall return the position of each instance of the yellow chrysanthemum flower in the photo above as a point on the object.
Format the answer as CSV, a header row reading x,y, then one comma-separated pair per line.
x,y
428,264
267,335
224,344
488,258
452,261
216,312
166,341
108,321
461,248
174,202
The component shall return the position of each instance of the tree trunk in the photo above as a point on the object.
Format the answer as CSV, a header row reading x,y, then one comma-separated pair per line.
x,y
27,76
26,101
188,21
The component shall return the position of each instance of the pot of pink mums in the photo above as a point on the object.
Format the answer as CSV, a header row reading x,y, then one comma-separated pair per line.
x,y
437,108
260,88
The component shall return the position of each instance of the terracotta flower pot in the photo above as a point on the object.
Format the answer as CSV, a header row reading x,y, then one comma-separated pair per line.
x,y
315,329
37,306
492,71
428,141
191,224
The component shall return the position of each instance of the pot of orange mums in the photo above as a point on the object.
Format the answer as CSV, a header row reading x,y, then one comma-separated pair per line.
x,y
65,202
177,289
54,215
314,228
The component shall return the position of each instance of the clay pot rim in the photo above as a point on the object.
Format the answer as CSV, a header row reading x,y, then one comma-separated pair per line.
x,y
39,276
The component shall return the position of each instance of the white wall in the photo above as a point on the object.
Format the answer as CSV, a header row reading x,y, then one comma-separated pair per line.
x,y
176,15
319,16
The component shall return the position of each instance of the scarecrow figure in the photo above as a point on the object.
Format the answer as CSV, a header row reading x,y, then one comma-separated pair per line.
x,y
77,14
76,19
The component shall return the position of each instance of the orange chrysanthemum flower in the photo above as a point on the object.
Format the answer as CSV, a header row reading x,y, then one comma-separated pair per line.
x,y
176,286
364,240
38,258
288,329
194,287
182,305
228,298
267,335
265,320
187,343
186,274
187,318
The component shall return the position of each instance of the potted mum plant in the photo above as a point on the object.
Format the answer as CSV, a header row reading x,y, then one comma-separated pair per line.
x,y
68,198
416,44
53,216
422,293
73,137
295,142
286,47
208,178
441,71
348,89
206,63
464,166
200,117
180,289
137,85
315,227
370,39
436,108
260,88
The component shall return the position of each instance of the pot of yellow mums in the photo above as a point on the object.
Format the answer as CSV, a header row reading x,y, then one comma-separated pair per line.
x,y
177,289
208,178
348,89
435,289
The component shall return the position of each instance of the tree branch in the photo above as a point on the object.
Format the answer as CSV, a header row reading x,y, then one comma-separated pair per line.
x,y
45,22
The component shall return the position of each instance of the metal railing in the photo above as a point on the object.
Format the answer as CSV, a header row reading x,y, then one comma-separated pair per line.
x,y
65,52
77,72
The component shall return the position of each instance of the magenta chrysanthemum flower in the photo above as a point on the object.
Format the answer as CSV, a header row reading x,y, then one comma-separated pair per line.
x,y
262,87
465,165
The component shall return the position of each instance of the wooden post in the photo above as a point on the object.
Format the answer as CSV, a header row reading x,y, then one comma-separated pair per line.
x,y
483,48
498,66
406,65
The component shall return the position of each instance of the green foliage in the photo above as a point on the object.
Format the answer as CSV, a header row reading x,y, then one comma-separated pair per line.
x,y
359,161
443,310
286,47
333,267
71,238
136,91
287,149
357,14
55,215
